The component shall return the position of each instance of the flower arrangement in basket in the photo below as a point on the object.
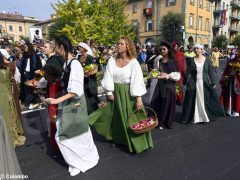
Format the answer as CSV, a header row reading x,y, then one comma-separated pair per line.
x,y
90,69
144,125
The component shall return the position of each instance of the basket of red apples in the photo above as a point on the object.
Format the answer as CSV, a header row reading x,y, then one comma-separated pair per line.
x,y
144,125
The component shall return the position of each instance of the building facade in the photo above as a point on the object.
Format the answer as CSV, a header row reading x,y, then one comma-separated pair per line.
x,y
144,16
197,19
16,25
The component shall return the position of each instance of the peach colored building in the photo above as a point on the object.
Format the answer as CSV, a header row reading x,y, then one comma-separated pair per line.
x,y
197,19
16,25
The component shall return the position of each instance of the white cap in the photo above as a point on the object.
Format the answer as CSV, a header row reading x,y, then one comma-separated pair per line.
x,y
5,53
83,45
198,46
22,42
86,47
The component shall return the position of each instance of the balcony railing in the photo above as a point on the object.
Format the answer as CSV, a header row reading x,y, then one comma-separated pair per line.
x,y
234,18
233,29
217,10
148,11
235,4
217,25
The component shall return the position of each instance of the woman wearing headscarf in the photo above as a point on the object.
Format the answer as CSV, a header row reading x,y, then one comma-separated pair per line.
x,y
201,102
90,81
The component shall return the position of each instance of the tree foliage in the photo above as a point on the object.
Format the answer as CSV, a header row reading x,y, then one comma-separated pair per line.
x,y
220,41
236,41
172,27
103,21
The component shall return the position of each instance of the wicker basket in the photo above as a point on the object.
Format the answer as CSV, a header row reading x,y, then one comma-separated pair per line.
x,y
148,123
92,72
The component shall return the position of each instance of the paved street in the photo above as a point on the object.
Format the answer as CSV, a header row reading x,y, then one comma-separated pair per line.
x,y
195,152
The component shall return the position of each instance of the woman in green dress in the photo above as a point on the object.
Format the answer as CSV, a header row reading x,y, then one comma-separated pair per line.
x,y
8,106
124,85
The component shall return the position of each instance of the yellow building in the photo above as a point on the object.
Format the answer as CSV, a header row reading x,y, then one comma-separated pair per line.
x,y
16,25
197,15
144,16
198,18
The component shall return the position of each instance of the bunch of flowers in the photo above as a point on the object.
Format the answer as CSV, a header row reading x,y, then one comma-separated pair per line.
x,y
102,60
154,74
178,89
42,73
237,67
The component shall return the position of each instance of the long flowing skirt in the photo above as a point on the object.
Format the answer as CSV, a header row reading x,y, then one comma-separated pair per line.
x,y
9,110
112,121
9,162
200,114
80,151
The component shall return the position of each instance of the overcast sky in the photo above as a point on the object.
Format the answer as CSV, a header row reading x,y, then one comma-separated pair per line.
x,y
37,8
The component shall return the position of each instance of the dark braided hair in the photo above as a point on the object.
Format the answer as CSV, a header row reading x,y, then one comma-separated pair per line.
x,y
2,64
66,43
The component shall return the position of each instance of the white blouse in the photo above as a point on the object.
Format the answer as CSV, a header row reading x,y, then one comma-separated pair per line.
x,y
75,82
131,73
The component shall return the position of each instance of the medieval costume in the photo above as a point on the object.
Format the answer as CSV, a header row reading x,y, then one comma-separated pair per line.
x,y
112,121
90,87
9,162
181,64
73,135
8,108
163,96
53,70
230,84
201,102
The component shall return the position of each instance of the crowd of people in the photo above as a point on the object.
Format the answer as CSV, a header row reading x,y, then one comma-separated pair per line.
x,y
58,68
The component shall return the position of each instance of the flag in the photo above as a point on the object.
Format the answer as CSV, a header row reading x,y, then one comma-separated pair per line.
x,y
222,17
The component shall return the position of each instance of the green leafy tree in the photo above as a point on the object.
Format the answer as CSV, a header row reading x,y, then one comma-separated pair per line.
x,y
236,41
172,27
103,21
220,41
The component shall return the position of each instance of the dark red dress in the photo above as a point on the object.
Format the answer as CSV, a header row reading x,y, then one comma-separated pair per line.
x,y
54,91
230,84
181,63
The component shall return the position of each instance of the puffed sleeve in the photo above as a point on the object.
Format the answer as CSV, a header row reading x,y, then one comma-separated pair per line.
x,y
75,83
107,82
137,86
175,76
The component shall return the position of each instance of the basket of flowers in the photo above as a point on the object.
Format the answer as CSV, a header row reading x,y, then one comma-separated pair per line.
x,y
144,125
154,74
90,69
